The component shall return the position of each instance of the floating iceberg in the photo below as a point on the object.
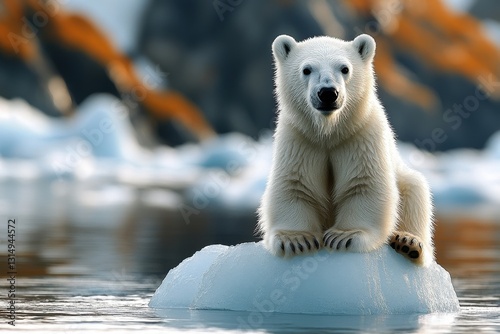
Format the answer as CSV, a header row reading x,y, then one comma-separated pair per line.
x,y
248,278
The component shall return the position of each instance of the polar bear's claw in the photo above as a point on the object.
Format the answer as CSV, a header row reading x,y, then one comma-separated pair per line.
x,y
407,245
339,240
289,243
308,244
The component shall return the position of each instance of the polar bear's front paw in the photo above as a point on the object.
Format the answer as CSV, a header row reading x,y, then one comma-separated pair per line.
x,y
289,243
407,245
341,240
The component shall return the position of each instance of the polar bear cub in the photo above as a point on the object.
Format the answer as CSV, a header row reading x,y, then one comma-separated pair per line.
x,y
337,180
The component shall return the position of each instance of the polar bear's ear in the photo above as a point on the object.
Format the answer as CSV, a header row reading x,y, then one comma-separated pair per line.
x,y
365,45
282,46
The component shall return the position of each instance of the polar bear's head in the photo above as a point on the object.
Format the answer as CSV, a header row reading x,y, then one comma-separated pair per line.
x,y
323,76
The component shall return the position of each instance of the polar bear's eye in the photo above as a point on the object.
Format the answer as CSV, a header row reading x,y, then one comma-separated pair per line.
x,y
345,70
306,71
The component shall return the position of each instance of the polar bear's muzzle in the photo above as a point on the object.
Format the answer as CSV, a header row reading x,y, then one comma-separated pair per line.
x,y
326,100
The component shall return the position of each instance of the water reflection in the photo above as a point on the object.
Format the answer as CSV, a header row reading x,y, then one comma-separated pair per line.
x,y
468,247
286,323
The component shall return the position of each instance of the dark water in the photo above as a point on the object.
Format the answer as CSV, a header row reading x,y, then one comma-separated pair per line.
x,y
89,260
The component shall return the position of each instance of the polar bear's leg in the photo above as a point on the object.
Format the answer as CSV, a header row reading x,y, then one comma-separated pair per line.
x,y
291,215
413,238
290,223
296,203
365,195
364,220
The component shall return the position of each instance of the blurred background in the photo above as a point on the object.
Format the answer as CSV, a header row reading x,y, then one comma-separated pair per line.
x,y
135,132
437,62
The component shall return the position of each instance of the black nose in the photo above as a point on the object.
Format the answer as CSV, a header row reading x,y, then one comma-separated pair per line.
x,y
328,95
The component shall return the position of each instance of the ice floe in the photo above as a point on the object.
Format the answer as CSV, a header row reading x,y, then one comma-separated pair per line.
x,y
248,278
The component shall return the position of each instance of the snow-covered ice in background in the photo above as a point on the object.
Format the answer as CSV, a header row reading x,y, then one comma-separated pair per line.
x,y
101,122
97,143
228,172
245,162
248,278
461,178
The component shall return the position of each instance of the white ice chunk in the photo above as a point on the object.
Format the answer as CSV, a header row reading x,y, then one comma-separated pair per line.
x,y
185,280
248,278
100,128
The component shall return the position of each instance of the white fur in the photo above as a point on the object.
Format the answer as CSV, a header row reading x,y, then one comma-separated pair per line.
x,y
337,175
